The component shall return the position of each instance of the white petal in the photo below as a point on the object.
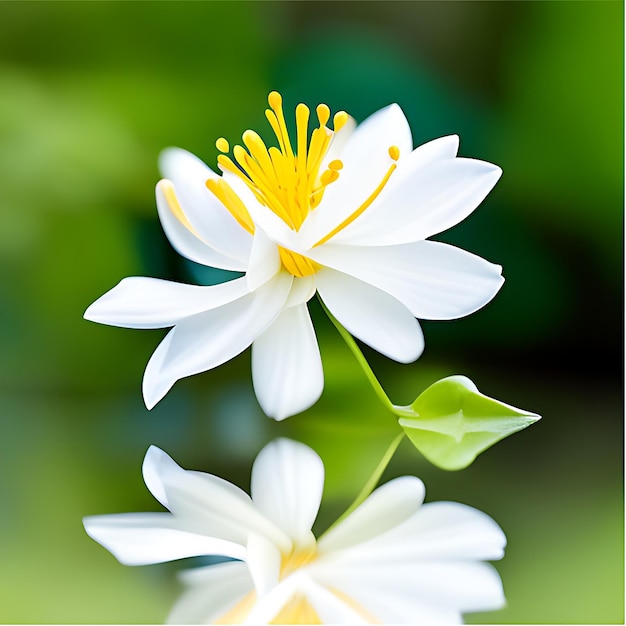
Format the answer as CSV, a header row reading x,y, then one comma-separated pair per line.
x,y
264,261
338,143
382,598
138,302
371,315
387,507
441,531
418,592
204,341
185,237
159,470
264,560
268,606
286,486
302,290
144,538
286,365
409,165
213,591
433,280
428,202
365,160
154,385
207,215
205,503
330,608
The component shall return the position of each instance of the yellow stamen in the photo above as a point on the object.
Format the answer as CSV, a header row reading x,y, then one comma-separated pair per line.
x,y
287,181
296,264
222,145
363,207
224,192
339,121
335,165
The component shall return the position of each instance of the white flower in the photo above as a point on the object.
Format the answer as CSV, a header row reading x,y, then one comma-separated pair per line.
x,y
300,220
392,560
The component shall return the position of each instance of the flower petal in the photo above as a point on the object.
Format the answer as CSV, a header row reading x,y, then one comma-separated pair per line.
x,y
144,538
442,148
371,315
423,593
331,607
207,504
425,203
286,486
264,260
366,161
387,507
209,218
286,365
302,290
186,237
204,341
338,143
264,560
139,302
433,280
440,531
212,593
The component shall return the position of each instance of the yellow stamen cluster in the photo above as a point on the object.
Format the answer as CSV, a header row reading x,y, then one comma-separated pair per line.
x,y
286,180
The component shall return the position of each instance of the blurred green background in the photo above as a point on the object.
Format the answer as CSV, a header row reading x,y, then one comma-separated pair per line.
x,y
89,95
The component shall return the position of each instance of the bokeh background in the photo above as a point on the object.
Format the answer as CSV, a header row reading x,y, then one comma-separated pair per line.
x,y
89,95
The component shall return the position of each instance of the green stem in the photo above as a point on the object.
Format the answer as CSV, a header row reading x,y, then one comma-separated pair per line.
x,y
373,479
347,337
400,411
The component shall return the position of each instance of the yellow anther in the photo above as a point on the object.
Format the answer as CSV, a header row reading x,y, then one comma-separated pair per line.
x,y
323,114
275,100
329,176
335,165
222,145
340,119
394,152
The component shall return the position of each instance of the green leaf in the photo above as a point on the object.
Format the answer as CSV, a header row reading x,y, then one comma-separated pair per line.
x,y
451,422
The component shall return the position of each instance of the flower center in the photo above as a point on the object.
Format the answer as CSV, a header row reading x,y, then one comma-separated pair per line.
x,y
288,181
